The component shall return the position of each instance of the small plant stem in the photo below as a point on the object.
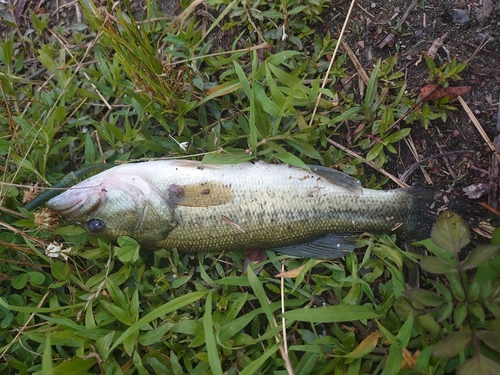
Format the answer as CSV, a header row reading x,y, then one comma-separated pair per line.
x,y
370,163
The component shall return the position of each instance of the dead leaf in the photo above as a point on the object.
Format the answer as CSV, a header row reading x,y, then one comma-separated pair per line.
x,y
476,191
435,92
291,274
296,271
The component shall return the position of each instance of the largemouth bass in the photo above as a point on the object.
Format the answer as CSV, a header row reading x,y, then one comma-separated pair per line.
x,y
203,207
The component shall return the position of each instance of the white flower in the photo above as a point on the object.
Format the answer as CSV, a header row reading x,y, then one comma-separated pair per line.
x,y
182,145
55,250
284,36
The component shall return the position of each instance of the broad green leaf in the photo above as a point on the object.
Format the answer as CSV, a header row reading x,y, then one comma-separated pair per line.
x,y
162,310
495,236
291,159
490,338
423,360
331,314
60,270
267,104
47,357
4,146
37,278
69,230
226,158
436,265
394,360
481,255
19,282
479,365
399,135
253,367
424,297
8,50
74,366
371,88
456,286
34,309
375,151
404,333
154,336
451,345
213,356
128,250
261,295
450,233
116,293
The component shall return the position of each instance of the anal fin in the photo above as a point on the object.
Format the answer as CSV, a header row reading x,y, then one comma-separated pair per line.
x,y
331,246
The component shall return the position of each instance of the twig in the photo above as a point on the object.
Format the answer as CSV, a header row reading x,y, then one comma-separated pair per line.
x,y
478,126
446,161
283,320
25,324
344,26
489,208
356,63
413,149
370,163
495,165
493,53
389,38
414,166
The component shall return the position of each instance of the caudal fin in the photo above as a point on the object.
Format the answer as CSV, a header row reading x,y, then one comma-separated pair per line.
x,y
428,204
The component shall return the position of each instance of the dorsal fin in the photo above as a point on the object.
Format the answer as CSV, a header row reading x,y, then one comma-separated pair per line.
x,y
338,178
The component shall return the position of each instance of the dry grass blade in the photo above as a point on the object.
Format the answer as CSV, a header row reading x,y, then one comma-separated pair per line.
x,y
478,126
334,55
370,163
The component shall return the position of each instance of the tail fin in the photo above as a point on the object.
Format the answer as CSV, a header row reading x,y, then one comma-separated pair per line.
x,y
428,204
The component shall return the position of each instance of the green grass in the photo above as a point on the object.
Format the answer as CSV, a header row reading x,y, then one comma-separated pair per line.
x,y
115,89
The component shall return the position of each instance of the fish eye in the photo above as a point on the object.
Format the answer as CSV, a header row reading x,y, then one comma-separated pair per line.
x,y
95,225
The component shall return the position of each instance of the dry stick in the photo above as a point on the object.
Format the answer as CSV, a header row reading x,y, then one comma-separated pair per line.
x,y
495,165
357,64
389,38
25,325
283,320
414,166
344,26
478,126
370,163
411,145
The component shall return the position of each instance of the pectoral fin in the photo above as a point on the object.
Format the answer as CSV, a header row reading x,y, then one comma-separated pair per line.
x,y
200,195
328,247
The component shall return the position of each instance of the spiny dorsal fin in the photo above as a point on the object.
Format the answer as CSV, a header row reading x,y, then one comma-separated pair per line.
x,y
338,178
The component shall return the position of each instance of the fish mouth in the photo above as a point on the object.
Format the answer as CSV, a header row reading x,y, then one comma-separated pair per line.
x,y
75,203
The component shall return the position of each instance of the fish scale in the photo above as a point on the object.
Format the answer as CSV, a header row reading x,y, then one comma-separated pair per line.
x,y
199,207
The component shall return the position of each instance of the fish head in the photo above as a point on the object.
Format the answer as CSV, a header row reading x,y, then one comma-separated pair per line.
x,y
117,205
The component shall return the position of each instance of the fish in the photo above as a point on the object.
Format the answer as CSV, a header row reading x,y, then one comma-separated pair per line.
x,y
193,206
